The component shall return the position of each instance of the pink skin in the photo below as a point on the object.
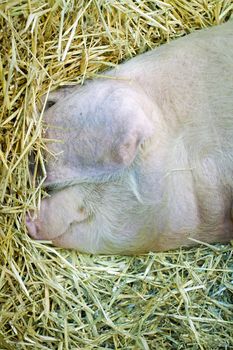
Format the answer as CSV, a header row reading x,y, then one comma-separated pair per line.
x,y
32,227
145,158
66,210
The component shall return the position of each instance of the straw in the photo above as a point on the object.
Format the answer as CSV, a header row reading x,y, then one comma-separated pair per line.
x,y
51,298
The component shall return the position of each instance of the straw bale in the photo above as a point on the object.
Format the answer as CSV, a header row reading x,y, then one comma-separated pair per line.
x,y
52,298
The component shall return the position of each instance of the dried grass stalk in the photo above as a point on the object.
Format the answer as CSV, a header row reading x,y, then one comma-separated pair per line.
x,y
57,299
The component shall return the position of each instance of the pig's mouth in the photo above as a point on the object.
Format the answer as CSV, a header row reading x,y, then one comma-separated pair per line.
x,y
31,160
35,167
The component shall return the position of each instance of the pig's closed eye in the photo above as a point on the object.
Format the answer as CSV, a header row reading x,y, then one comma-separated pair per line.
x,y
49,104
49,189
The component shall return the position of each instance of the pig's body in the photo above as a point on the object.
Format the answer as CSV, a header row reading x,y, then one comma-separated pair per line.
x,y
146,161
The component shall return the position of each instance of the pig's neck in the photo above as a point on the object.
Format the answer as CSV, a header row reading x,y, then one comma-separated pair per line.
x,y
185,193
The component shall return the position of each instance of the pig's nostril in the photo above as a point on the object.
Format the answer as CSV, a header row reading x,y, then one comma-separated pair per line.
x,y
31,227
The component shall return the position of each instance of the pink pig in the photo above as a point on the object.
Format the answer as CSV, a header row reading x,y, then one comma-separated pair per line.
x,y
145,158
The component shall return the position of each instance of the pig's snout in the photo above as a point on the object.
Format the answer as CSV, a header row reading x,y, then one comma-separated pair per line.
x,y
32,227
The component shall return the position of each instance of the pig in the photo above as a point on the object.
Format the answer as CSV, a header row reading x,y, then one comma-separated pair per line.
x,y
143,156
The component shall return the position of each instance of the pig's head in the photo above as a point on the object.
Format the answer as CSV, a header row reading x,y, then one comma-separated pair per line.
x,y
97,131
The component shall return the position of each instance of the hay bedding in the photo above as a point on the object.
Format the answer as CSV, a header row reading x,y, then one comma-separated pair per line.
x,y
57,299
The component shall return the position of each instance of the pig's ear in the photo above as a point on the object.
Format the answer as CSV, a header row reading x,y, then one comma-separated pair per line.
x,y
130,114
115,139
124,151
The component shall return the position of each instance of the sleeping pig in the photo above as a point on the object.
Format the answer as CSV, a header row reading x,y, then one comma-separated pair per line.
x,y
144,156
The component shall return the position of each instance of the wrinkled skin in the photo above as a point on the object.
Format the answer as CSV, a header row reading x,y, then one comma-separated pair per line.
x,y
145,159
